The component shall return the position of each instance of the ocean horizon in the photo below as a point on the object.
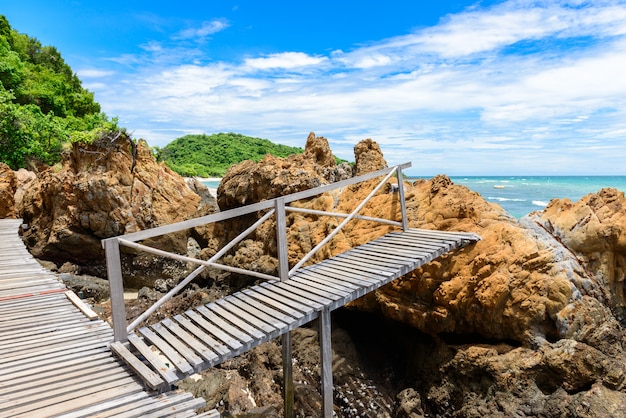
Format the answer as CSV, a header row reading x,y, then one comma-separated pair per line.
x,y
521,195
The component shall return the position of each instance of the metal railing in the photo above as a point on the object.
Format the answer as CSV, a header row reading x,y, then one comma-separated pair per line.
x,y
277,206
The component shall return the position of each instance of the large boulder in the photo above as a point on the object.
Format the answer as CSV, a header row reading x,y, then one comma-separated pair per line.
x,y
8,185
250,182
110,187
593,228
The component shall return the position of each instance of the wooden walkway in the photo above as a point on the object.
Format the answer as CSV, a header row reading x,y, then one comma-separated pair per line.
x,y
208,335
55,359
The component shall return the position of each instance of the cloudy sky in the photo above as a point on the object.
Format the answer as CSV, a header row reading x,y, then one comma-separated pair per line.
x,y
515,87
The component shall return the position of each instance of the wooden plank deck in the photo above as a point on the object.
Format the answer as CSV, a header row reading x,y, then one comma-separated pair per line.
x,y
55,358
207,335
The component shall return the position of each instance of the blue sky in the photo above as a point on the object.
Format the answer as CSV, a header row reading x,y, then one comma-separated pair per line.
x,y
515,87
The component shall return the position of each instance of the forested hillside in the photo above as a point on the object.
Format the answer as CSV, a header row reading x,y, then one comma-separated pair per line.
x,y
42,102
211,155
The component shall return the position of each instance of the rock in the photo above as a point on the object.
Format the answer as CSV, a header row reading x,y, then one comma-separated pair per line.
x,y
87,286
250,182
410,404
25,179
208,202
368,157
594,228
8,185
549,337
110,187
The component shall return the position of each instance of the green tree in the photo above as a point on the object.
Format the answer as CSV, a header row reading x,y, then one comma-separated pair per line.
x,y
211,155
42,102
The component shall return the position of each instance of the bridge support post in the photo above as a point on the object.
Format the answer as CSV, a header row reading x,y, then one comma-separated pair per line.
x,y
326,363
287,376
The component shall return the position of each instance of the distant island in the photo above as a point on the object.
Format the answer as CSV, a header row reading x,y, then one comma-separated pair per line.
x,y
211,155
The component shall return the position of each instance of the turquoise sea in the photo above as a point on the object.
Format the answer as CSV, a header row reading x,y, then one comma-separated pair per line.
x,y
520,195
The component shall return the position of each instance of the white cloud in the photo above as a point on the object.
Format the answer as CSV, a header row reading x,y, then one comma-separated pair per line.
x,y
463,96
93,73
207,28
284,60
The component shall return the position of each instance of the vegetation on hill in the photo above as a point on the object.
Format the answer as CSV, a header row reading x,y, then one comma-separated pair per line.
x,y
211,155
42,102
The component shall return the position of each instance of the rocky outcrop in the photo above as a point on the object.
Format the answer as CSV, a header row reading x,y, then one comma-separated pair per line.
x,y
533,298
250,182
594,229
8,185
110,187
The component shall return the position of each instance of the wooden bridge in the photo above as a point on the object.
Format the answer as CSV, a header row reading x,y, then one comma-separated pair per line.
x,y
55,359
174,348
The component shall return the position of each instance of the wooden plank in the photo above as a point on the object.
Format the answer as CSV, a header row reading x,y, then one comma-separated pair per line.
x,y
87,311
56,334
350,276
53,377
173,410
192,358
277,302
216,331
79,399
267,322
31,395
56,343
59,363
101,409
205,338
158,364
410,247
41,406
167,350
392,267
34,330
279,316
28,361
150,377
140,407
283,290
349,272
241,335
340,285
324,290
224,311
190,340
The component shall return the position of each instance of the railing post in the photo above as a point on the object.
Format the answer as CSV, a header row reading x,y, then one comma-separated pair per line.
x,y
405,221
283,274
116,288
281,239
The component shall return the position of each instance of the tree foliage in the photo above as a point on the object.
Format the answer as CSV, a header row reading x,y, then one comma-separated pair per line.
x,y
42,102
212,155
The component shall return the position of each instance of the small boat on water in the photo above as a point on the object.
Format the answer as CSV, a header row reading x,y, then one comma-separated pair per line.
x,y
498,186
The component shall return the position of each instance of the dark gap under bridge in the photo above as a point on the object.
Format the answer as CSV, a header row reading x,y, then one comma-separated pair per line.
x,y
208,335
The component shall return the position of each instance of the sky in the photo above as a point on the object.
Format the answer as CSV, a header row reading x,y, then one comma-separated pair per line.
x,y
515,87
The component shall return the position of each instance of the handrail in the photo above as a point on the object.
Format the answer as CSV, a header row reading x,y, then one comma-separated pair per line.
x,y
276,206
197,271
340,226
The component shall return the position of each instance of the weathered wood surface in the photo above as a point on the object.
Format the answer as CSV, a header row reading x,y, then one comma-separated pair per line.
x,y
54,353
208,335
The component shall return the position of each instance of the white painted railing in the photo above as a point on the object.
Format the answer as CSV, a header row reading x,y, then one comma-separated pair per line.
x,y
277,206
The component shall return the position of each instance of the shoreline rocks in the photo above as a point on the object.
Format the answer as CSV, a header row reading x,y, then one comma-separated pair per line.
x,y
528,321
